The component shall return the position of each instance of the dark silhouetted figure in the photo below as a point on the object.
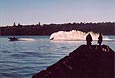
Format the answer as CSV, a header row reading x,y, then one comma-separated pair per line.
x,y
100,38
14,24
89,39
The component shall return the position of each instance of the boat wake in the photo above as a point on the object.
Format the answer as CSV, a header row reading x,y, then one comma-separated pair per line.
x,y
75,36
26,39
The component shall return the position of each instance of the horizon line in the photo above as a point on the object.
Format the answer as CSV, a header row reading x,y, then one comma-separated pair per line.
x,y
57,23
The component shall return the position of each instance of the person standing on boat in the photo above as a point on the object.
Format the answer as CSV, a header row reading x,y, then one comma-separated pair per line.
x,y
100,38
89,39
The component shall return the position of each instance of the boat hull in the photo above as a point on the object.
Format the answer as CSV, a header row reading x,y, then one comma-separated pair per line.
x,y
13,39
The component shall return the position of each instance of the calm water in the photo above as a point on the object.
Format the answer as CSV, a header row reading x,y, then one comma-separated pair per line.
x,y
22,59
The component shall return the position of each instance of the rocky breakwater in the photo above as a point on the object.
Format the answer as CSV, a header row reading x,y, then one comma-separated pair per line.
x,y
85,62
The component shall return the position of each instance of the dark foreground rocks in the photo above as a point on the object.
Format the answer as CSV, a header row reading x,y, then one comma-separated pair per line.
x,y
84,62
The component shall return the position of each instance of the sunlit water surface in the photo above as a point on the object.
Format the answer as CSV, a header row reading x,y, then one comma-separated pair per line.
x,y
24,58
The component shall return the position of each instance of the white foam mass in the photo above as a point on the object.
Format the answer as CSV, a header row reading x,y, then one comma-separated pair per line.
x,y
72,35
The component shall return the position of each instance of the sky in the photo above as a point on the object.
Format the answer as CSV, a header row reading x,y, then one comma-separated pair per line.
x,y
27,12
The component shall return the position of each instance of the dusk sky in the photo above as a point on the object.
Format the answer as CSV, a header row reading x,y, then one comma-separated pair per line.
x,y
55,11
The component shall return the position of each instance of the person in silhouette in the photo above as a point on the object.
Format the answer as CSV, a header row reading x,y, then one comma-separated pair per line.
x,y
89,39
100,38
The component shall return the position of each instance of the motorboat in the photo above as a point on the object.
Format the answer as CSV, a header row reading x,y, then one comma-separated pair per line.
x,y
13,39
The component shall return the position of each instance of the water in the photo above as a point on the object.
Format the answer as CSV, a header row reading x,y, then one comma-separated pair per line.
x,y
24,58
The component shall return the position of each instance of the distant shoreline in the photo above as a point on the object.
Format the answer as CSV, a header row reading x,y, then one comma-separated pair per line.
x,y
106,28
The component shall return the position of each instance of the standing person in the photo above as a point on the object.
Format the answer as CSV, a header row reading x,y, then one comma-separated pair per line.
x,y
100,38
89,39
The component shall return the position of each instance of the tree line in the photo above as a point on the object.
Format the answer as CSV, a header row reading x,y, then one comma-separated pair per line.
x,y
106,28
